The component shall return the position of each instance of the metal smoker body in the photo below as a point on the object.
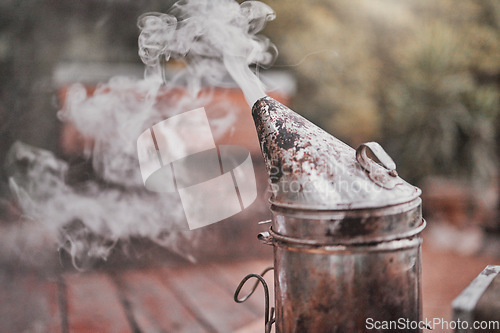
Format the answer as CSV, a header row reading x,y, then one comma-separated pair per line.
x,y
345,229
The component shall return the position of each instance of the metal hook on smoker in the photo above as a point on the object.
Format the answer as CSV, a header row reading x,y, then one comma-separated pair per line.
x,y
385,160
268,315
384,173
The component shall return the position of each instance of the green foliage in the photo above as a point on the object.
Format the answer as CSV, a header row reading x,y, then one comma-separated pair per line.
x,y
443,117
420,76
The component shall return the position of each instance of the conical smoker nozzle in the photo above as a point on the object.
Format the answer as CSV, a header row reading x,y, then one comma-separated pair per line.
x,y
309,168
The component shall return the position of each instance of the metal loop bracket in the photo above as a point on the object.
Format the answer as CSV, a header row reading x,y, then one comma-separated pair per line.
x,y
383,173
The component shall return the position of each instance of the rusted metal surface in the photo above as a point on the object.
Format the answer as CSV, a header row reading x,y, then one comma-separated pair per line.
x,y
308,168
337,288
329,284
349,227
345,229
340,290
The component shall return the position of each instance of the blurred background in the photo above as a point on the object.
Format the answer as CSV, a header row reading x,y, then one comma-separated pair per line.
x,y
421,77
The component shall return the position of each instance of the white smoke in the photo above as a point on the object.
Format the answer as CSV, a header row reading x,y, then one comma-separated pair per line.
x,y
216,39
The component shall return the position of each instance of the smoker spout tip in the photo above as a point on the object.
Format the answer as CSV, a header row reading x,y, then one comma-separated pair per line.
x,y
263,104
261,101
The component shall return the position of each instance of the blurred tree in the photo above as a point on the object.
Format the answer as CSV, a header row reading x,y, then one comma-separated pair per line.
x,y
421,76
443,104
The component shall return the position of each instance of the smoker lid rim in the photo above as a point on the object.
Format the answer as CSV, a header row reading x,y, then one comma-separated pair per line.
x,y
347,206
374,211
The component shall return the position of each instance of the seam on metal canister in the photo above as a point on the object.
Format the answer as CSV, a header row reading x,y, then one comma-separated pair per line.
x,y
411,239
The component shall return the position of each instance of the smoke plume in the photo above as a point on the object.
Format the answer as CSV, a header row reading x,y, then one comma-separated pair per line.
x,y
214,38
217,40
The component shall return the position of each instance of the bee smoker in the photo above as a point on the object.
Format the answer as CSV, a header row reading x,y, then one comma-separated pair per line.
x,y
345,230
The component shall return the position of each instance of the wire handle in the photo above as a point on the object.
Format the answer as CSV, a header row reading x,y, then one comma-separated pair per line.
x,y
268,315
